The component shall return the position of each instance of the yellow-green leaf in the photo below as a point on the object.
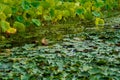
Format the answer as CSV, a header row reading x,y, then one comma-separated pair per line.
x,y
11,31
19,26
2,16
4,25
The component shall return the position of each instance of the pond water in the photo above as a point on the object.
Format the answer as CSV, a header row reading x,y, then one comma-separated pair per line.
x,y
55,33
86,54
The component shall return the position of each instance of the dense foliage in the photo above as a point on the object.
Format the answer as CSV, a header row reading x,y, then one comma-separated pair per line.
x,y
97,57
17,16
87,52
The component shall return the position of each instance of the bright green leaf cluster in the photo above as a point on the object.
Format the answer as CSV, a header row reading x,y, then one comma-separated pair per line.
x,y
29,12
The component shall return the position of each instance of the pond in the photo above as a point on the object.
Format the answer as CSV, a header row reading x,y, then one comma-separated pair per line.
x,y
55,32
82,54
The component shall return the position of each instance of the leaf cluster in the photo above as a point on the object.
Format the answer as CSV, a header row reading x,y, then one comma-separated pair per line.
x,y
24,13
94,58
